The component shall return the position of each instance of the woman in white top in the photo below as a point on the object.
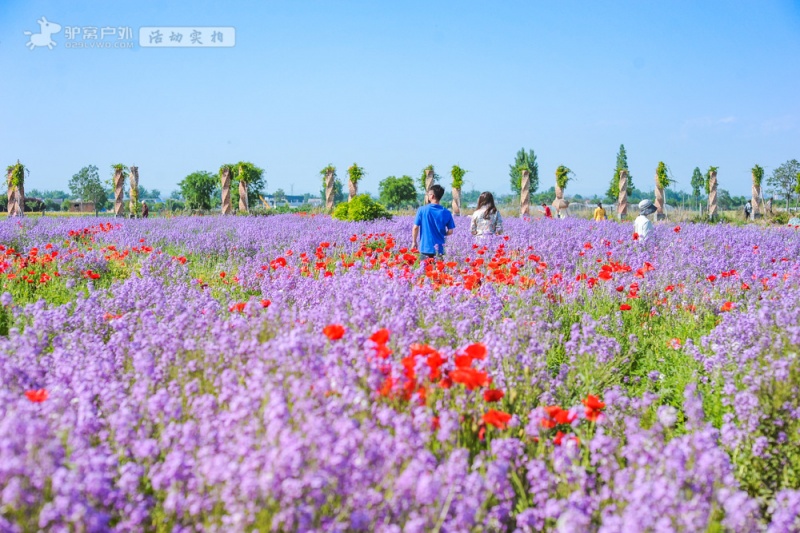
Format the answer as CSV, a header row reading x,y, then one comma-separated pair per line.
x,y
486,219
642,225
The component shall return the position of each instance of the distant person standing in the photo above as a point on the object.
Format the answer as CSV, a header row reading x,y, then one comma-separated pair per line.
x,y
748,210
599,212
642,225
486,219
546,210
145,210
433,223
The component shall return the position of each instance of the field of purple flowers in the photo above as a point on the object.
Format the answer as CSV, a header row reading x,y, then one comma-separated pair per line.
x,y
296,373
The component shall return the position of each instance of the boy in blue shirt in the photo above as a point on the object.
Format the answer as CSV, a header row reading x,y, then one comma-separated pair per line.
x,y
434,222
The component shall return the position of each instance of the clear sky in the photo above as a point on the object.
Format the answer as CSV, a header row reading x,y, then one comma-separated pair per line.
x,y
396,86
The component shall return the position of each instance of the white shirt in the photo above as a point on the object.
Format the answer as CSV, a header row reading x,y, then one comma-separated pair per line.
x,y
642,226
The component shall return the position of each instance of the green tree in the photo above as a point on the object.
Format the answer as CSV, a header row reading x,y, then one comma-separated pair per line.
x,y
250,174
279,196
338,191
197,189
784,179
87,186
698,182
612,195
397,192
524,160
436,177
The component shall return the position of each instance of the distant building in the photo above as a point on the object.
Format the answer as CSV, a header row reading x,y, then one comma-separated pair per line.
x,y
77,206
292,200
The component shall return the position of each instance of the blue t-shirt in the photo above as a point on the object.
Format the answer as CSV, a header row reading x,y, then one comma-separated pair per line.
x,y
434,221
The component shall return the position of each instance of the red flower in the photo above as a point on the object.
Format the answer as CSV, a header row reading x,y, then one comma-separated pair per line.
x,y
333,331
712,278
237,307
677,229
493,395
620,288
593,407
745,286
727,306
624,307
476,351
434,362
470,378
605,275
36,396
635,238
380,337
222,275
498,419
265,303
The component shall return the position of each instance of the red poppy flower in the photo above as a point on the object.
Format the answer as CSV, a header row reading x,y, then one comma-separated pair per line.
x,y
435,361
237,307
727,306
333,331
470,378
624,307
476,351
605,275
36,396
498,419
421,349
493,395
635,236
380,337
265,303
677,229
593,407
745,286
712,278
222,275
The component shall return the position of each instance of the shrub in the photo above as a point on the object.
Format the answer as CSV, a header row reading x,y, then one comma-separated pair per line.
x,y
360,208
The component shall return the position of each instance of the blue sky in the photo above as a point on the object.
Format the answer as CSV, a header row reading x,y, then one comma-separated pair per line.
x,y
396,86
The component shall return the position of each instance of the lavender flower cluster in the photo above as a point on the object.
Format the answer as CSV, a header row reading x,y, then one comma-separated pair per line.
x,y
190,386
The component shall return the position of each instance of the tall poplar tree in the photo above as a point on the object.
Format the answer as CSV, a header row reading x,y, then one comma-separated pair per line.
x,y
622,164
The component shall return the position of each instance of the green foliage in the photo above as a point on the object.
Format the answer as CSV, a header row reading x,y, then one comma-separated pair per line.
x,y
87,186
797,184
758,175
324,172
360,208
563,176
398,192
197,189
458,176
784,179
698,182
247,173
355,173
16,178
662,176
622,164
422,181
523,161
338,190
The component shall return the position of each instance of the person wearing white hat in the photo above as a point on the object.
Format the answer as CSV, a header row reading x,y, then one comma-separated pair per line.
x,y
642,225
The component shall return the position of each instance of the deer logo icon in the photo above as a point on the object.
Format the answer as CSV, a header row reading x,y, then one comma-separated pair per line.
x,y
42,38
